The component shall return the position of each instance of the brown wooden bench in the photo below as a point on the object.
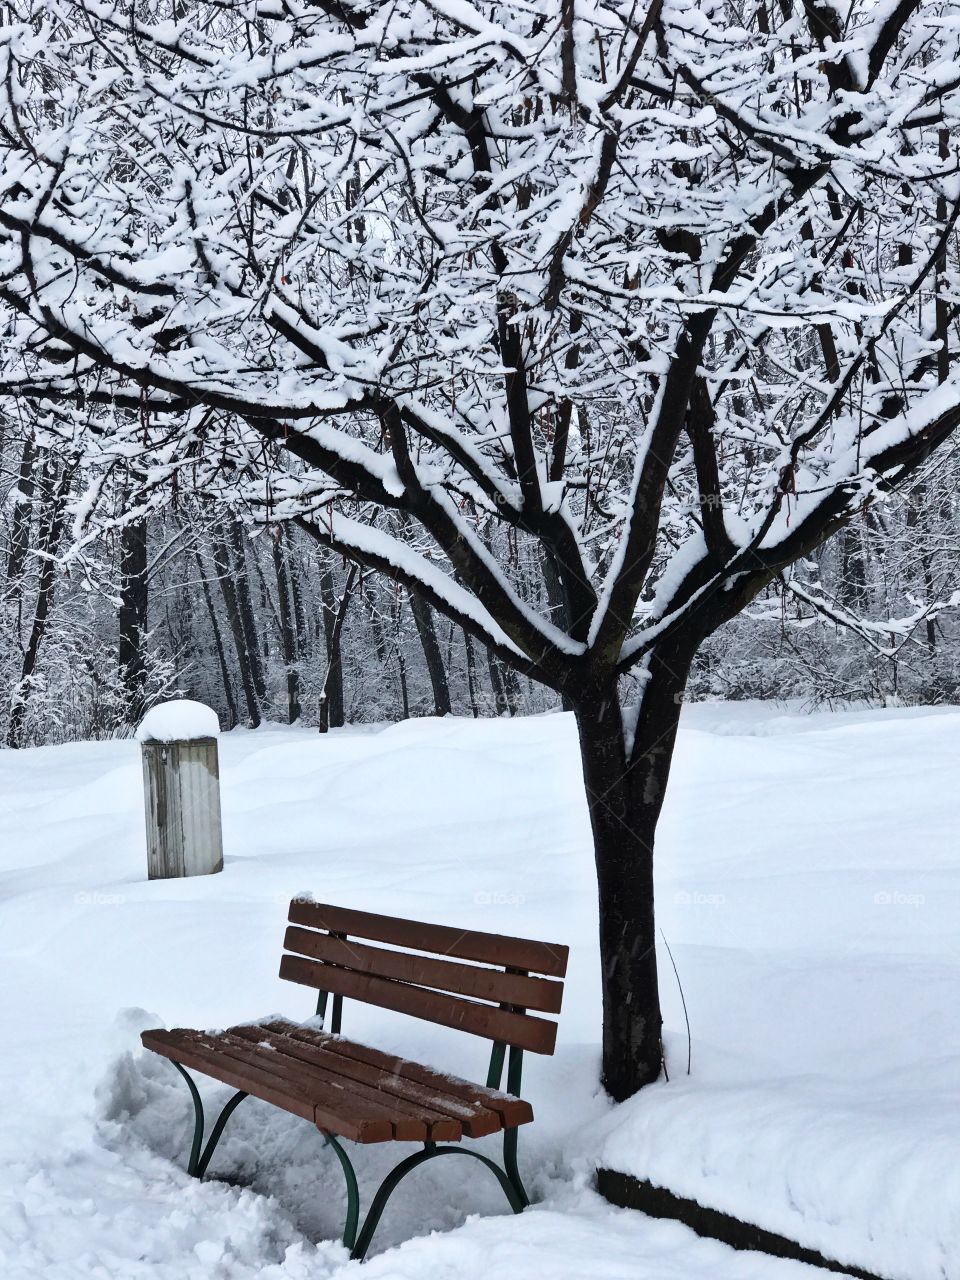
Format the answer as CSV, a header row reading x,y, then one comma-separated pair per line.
x,y
481,983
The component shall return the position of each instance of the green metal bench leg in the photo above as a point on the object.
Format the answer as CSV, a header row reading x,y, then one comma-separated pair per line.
x,y
514,1075
511,1167
200,1155
218,1129
353,1192
197,1122
395,1177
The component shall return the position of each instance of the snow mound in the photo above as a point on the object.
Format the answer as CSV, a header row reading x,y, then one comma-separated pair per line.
x,y
868,1178
180,721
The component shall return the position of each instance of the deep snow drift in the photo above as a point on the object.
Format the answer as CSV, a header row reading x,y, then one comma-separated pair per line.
x,y
809,887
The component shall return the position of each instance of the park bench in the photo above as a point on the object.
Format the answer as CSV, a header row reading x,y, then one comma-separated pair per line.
x,y
479,983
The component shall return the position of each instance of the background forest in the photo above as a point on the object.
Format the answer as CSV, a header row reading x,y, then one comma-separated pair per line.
x,y
262,623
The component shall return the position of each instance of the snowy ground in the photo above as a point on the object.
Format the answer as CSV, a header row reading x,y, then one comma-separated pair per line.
x,y
809,886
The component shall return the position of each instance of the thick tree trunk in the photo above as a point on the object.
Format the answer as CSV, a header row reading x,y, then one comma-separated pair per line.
x,y
423,617
133,618
625,793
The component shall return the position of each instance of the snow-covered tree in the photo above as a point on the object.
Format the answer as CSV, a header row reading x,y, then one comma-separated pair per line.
x,y
647,299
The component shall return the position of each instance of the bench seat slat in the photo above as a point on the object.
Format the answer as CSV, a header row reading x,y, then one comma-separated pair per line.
x,y
334,1090
523,1030
477,1111
330,1091
512,1111
543,994
183,1047
546,958
413,1122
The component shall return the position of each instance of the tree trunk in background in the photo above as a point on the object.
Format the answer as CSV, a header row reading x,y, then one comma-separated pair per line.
x,y
398,649
511,688
133,618
334,665
496,686
52,525
296,593
380,646
288,631
20,520
268,611
423,617
218,643
503,681
853,572
471,675
332,704
915,507
237,552
228,590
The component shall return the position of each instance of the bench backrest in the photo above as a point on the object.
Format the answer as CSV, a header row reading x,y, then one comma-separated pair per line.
x,y
482,983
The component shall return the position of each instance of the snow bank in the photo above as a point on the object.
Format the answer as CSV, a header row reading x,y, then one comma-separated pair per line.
x,y
180,721
867,1177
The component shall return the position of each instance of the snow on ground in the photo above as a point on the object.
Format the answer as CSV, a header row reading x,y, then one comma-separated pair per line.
x,y
808,884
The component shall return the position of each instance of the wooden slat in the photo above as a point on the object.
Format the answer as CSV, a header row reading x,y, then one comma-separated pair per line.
x,y
525,1031
427,971
261,1080
370,1124
512,1111
331,1092
413,1121
486,948
478,1115
181,1047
